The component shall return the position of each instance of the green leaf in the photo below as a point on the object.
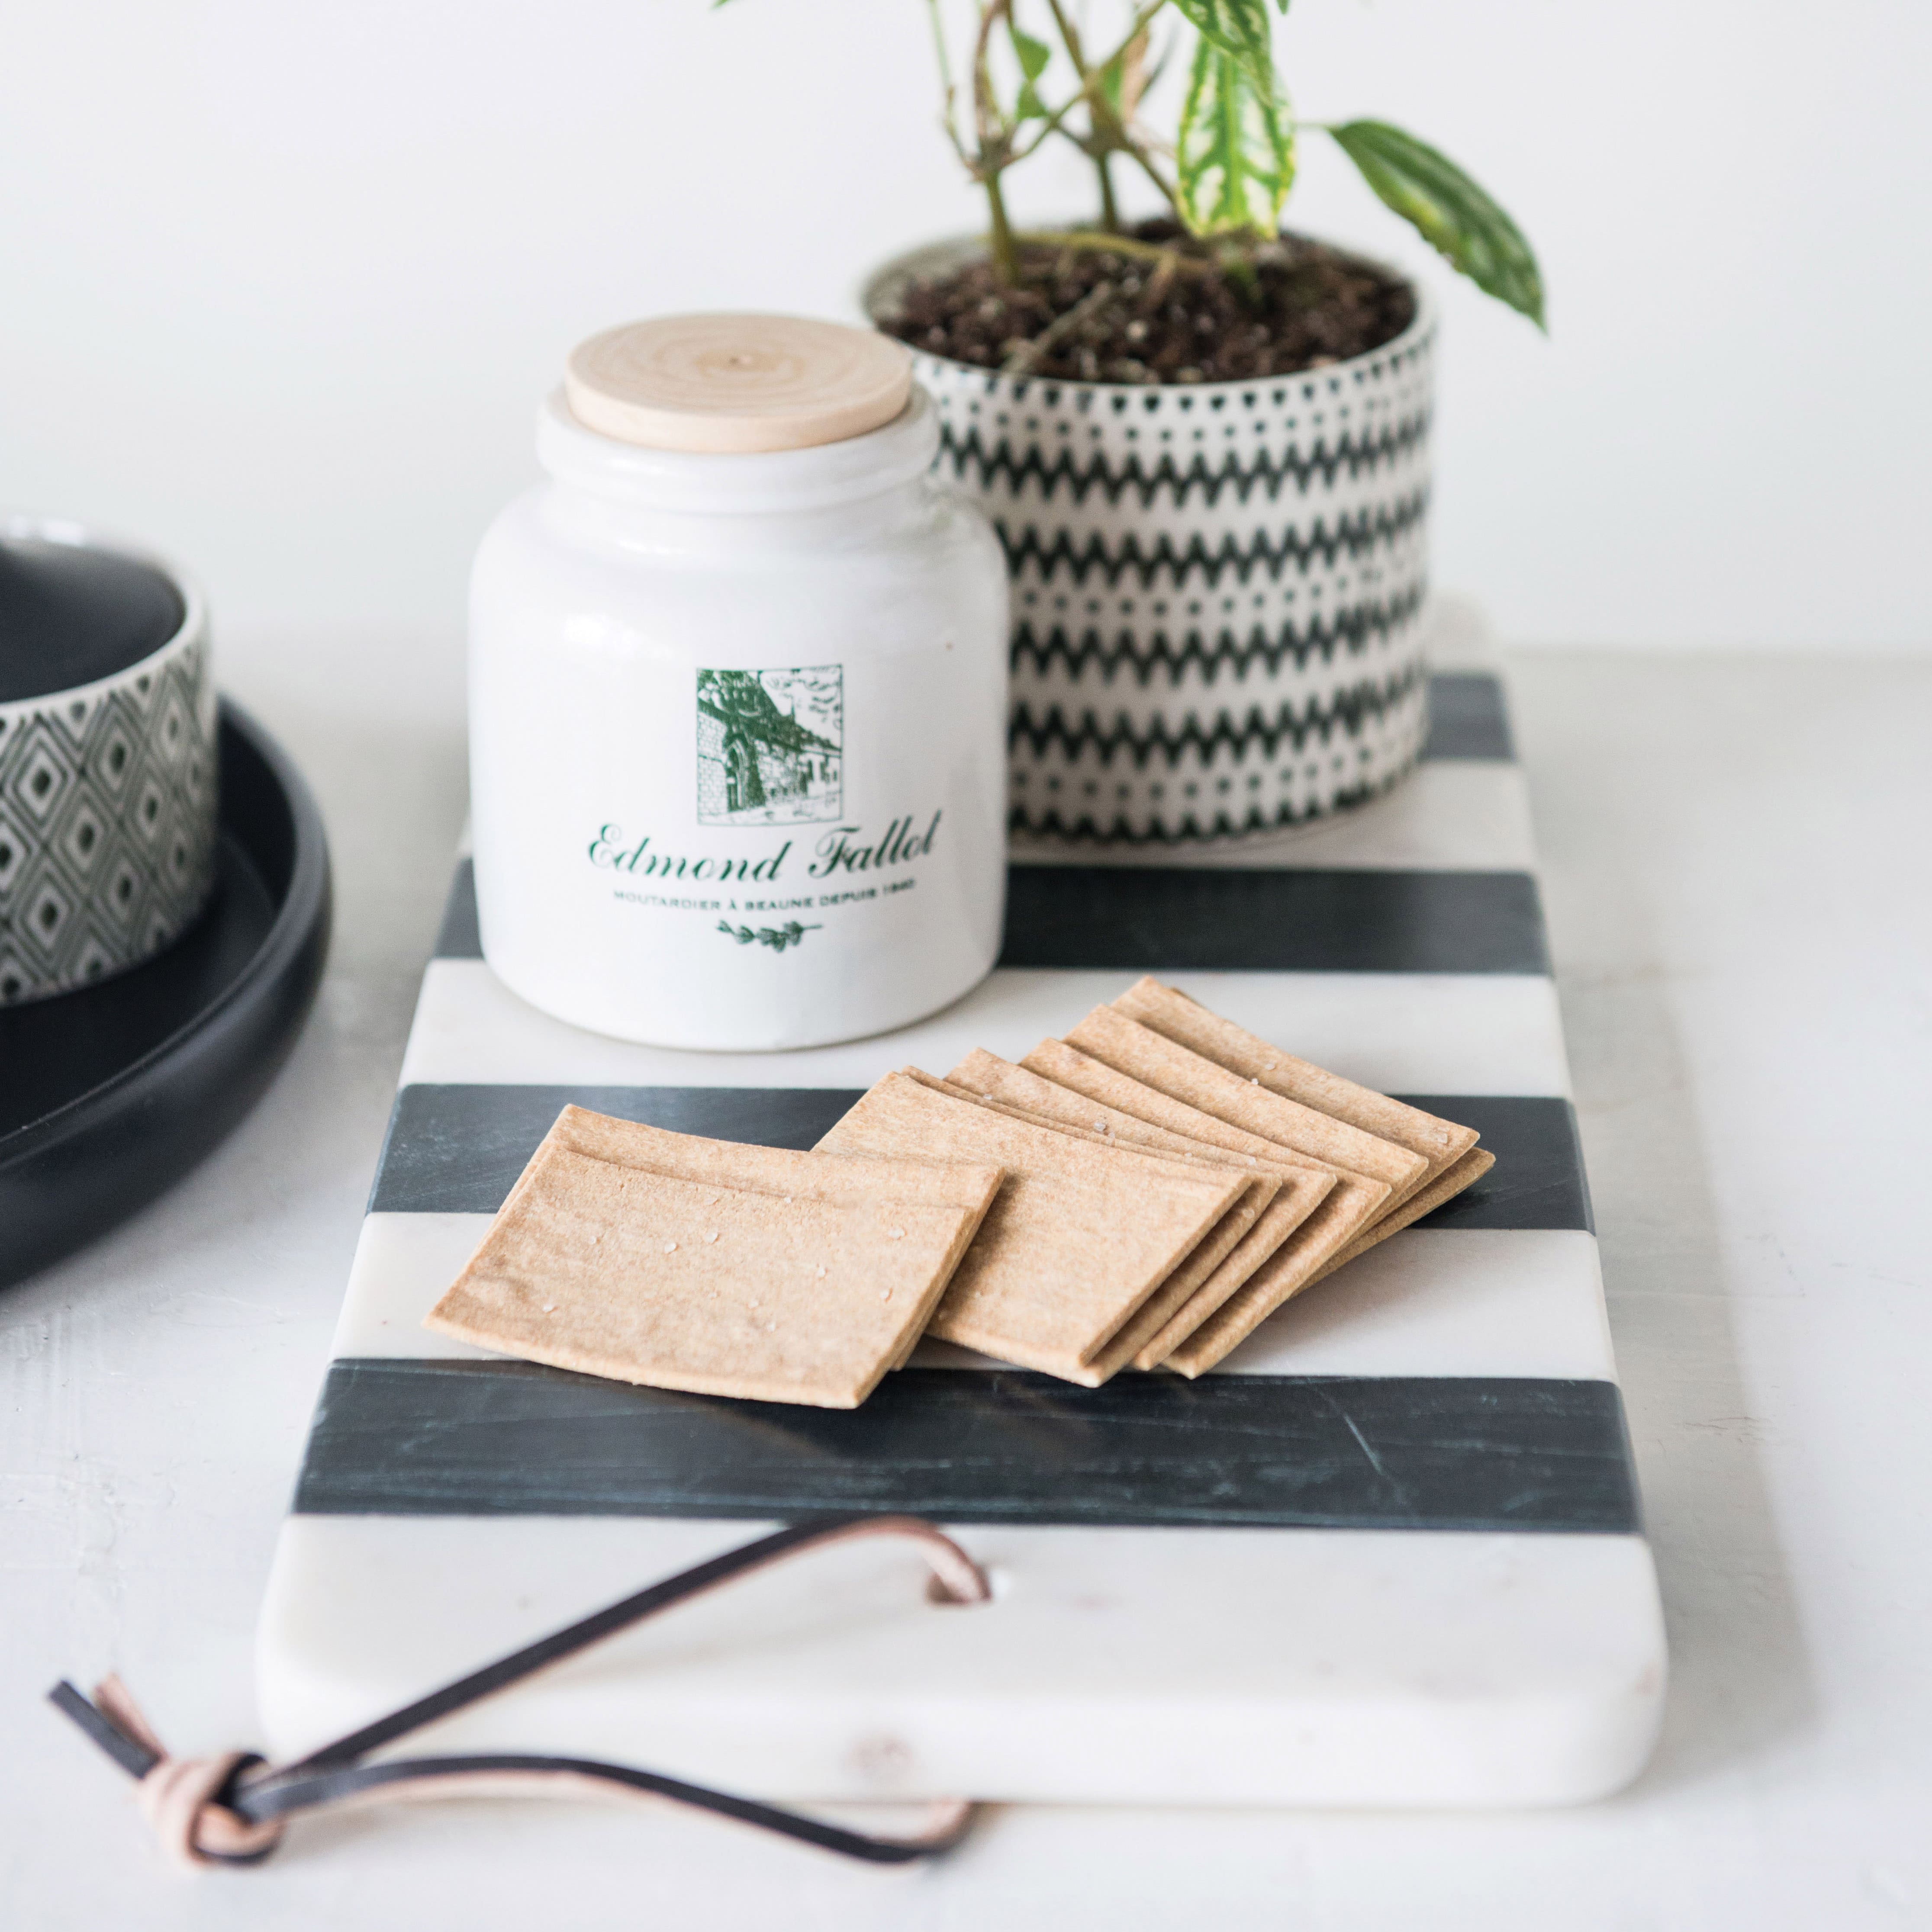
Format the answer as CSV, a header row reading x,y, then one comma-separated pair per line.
x,y
1449,211
1033,56
1237,27
1235,151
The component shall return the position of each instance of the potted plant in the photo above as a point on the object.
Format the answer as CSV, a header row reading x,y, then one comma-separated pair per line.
x,y
1205,440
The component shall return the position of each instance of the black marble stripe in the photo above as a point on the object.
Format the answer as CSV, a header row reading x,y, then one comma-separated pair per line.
x,y
1467,717
1538,1181
1176,918
511,1438
1182,918
460,937
457,1149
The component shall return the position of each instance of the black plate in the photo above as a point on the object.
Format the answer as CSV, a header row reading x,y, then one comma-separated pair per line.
x,y
111,1094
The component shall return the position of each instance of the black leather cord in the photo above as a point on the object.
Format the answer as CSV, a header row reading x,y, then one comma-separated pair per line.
x,y
232,1812
331,1787
136,1760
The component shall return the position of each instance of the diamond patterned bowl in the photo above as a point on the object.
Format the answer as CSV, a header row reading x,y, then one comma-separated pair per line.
x,y
107,785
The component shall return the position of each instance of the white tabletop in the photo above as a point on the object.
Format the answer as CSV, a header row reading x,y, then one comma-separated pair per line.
x,y
1741,910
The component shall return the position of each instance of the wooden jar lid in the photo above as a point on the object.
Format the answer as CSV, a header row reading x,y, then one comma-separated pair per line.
x,y
736,383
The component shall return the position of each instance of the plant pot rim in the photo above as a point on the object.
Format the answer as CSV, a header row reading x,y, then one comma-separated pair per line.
x,y
929,257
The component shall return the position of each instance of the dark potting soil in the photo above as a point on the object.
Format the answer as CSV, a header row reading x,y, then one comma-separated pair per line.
x,y
1087,313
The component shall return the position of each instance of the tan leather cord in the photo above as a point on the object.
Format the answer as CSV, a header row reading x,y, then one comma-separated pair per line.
x,y
231,1809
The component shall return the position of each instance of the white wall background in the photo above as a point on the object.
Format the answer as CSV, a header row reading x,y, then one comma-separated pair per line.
x,y
280,286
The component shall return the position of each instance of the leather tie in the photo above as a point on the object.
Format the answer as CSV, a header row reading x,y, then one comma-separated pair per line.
x,y
232,1809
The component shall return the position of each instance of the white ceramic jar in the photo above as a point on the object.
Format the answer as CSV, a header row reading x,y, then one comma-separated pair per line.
x,y
738,707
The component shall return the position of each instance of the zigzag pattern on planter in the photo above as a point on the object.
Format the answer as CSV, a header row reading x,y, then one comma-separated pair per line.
x,y
1349,711
1350,538
1220,794
1146,657
1218,590
1353,455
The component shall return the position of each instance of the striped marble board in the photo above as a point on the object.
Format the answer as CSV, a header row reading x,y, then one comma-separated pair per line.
x,y
1390,1553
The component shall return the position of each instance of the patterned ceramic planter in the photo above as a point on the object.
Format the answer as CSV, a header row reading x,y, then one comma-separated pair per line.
x,y
107,783
1218,589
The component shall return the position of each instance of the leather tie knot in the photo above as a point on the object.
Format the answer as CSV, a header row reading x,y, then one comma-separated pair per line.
x,y
180,1796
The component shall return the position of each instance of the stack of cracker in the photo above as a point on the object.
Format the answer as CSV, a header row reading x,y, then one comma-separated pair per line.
x,y
1143,1193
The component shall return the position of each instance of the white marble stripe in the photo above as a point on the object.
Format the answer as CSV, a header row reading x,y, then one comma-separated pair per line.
x,y
1448,1301
1113,1666
1450,815
1403,1032
1427,1302
403,1264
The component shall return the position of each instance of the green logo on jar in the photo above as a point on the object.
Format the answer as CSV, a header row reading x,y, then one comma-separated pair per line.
x,y
770,746
778,937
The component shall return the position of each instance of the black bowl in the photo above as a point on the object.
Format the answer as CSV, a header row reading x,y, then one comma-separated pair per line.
x,y
110,1094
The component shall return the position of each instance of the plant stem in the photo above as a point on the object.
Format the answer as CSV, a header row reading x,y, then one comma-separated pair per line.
x,y
1029,352
1110,213
994,136
945,60
1100,135
1108,133
1006,255
1100,242
1145,161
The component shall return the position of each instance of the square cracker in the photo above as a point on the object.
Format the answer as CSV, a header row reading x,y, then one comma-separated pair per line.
x,y
1465,1173
1352,1204
1108,1034
782,1171
622,1272
786,1171
1170,1012
1078,1238
1087,1122
1230,1255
